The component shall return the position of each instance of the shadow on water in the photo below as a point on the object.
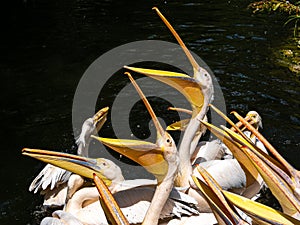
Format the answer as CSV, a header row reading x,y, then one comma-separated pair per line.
x,y
47,45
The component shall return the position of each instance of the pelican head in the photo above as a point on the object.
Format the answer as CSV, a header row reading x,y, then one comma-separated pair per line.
x,y
90,127
160,158
198,89
255,118
154,157
109,172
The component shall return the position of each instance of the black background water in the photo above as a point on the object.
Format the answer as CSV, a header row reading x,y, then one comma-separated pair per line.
x,y
47,45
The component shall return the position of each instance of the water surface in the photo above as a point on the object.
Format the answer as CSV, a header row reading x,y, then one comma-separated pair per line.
x,y
47,45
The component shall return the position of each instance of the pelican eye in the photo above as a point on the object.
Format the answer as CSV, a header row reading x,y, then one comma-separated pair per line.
x,y
168,141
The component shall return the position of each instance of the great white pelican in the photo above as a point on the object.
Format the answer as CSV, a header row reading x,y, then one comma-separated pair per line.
x,y
52,181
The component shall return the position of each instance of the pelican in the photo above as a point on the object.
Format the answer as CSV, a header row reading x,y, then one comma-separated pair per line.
x,y
52,181
248,175
215,149
219,199
199,92
279,176
209,157
160,158
133,196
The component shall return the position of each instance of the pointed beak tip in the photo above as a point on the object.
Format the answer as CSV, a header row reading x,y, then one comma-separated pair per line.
x,y
25,150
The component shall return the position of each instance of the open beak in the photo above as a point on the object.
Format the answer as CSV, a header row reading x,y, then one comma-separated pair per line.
x,y
149,155
188,86
100,117
219,199
179,125
183,83
253,160
259,213
77,164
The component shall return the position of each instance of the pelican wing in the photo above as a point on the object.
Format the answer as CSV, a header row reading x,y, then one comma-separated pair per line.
x,y
135,202
51,176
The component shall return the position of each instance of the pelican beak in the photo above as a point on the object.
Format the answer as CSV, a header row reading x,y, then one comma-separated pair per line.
x,y
149,155
179,125
251,158
183,83
186,85
100,117
218,199
109,204
259,213
212,191
77,164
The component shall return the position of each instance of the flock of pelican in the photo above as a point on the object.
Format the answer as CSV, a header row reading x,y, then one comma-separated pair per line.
x,y
213,182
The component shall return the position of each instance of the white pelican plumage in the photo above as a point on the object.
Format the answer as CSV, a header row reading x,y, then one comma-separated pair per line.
x,y
199,92
163,161
134,196
52,181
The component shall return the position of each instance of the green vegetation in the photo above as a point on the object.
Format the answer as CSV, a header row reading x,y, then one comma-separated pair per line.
x,y
289,54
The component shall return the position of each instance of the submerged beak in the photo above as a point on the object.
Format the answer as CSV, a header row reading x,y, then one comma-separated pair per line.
x,y
100,117
77,164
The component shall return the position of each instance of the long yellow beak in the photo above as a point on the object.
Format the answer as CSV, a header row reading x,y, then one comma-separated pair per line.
x,y
183,83
253,160
77,164
195,65
219,199
179,125
215,198
149,155
100,117
109,204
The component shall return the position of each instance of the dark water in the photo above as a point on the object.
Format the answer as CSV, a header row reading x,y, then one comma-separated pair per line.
x,y
47,45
